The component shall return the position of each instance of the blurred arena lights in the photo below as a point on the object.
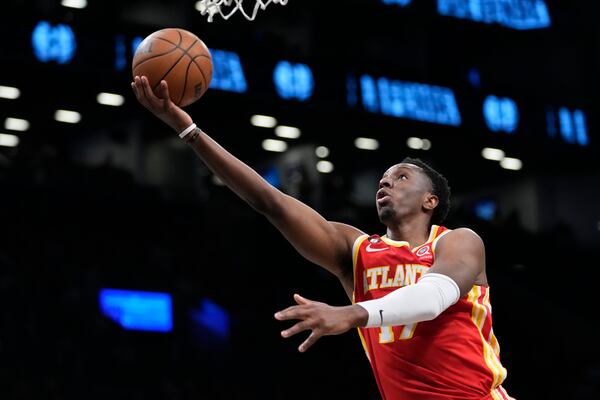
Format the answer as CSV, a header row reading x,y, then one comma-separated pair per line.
x,y
322,151
293,81
217,181
9,92
16,124
510,163
515,14
324,166
486,209
263,121
271,175
416,143
492,154
400,3
278,146
213,318
66,116
110,99
138,310
412,100
74,3
53,43
364,143
501,114
8,140
287,132
228,72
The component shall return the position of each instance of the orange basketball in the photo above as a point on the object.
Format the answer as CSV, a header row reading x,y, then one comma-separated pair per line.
x,y
180,58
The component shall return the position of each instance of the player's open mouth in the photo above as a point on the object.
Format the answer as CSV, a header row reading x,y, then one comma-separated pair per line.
x,y
383,200
382,196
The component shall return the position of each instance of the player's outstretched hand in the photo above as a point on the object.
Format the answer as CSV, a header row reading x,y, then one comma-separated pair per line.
x,y
160,104
322,319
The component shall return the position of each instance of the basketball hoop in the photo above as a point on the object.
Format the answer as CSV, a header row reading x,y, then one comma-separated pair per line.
x,y
212,7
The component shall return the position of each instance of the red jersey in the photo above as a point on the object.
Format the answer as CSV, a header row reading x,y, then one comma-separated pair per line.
x,y
454,356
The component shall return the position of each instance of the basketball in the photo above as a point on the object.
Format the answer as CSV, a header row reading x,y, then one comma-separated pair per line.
x,y
180,58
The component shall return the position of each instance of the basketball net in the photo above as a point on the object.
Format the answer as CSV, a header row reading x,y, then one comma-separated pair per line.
x,y
212,7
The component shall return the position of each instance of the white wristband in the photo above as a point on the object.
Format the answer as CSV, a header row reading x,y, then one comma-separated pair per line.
x,y
187,130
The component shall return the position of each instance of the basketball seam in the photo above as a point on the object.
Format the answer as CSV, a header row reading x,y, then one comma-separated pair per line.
x,y
177,46
200,69
187,71
173,66
154,56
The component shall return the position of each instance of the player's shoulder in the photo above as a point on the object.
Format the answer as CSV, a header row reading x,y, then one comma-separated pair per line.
x,y
349,233
461,237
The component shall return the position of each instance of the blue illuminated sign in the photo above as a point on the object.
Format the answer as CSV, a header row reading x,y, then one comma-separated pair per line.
x,y
228,73
400,3
212,317
53,43
351,91
120,53
474,78
571,125
516,14
501,114
121,50
135,310
293,81
271,175
485,210
135,43
416,101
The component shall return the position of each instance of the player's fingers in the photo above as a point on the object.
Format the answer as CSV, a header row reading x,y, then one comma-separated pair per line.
x,y
299,327
300,300
138,90
137,80
309,342
163,90
134,88
147,90
293,312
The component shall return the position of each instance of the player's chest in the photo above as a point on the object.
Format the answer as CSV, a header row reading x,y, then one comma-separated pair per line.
x,y
393,267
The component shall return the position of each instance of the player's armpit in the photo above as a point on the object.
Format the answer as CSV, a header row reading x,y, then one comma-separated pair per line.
x,y
325,243
460,254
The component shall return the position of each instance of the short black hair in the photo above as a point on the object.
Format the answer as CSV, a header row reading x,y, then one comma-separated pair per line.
x,y
440,188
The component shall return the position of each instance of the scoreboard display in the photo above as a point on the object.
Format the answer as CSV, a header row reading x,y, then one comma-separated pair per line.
x,y
518,68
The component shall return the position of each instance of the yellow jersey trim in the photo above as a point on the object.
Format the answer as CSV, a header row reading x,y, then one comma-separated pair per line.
x,y
432,234
435,241
364,343
478,316
395,243
399,243
355,248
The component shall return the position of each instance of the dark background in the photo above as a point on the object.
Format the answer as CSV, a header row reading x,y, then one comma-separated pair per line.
x,y
117,201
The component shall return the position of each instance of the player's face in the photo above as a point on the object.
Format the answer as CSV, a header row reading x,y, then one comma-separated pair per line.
x,y
402,191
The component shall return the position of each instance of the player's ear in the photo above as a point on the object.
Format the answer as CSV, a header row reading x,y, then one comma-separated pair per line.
x,y
431,201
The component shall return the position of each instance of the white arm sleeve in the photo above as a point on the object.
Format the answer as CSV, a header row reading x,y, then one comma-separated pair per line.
x,y
423,301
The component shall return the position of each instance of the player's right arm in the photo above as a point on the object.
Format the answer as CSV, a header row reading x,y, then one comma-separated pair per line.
x,y
325,243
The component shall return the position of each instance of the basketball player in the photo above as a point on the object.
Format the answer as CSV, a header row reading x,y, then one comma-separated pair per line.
x,y
420,294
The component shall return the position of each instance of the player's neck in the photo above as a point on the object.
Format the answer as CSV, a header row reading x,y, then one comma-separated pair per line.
x,y
414,232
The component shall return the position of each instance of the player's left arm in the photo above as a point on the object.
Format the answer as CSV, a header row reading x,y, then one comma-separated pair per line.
x,y
460,260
